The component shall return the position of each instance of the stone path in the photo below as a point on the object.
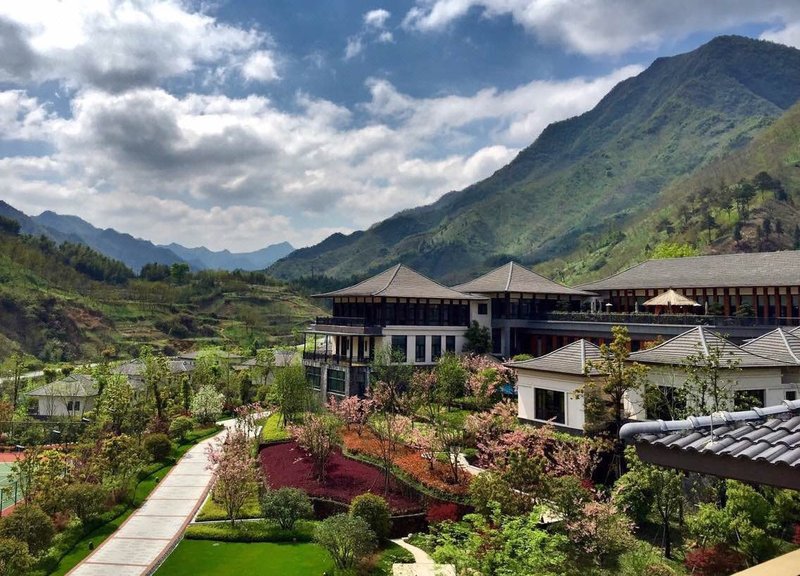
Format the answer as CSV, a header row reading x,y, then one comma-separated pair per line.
x,y
423,564
153,530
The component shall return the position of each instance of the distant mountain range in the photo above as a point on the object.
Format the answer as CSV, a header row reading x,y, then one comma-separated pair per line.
x,y
135,252
591,181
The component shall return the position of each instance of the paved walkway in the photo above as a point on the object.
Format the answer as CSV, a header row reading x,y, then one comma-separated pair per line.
x,y
423,564
150,533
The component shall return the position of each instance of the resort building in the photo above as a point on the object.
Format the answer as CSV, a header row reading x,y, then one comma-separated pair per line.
x,y
398,308
71,396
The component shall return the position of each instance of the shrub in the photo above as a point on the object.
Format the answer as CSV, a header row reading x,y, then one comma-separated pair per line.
x,y
718,560
158,447
29,524
347,539
286,506
14,557
85,500
375,511
442,512
207,404
490,492
180,427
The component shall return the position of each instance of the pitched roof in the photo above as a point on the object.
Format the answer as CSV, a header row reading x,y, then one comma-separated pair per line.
x,y
778,344
512,277
73,386
569,359
752,445
400,282
136,367
700,340
756,269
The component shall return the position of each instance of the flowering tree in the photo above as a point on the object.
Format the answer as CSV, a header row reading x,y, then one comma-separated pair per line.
x,y
247,418
207,404
390,428
485,378
600,532
317,435
353,411
235,472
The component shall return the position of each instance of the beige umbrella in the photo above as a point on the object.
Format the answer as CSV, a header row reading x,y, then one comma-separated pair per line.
x,y
669,299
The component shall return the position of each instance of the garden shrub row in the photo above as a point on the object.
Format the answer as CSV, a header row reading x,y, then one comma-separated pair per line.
x,y
250,531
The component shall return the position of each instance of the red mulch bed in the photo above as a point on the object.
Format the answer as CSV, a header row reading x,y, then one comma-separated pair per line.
x,y
286,464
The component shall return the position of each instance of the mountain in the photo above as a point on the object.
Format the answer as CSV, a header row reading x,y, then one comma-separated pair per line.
x,y
583,178
225,260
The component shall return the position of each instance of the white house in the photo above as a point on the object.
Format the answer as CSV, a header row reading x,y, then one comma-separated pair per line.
x,y
71,396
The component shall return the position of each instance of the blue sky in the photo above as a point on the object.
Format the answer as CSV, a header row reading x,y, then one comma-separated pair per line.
x,y
236,124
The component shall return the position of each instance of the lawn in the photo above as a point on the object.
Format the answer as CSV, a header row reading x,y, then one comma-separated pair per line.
x,y
272,429
201,557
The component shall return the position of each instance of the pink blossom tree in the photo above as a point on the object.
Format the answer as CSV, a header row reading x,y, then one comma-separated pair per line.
x,y
234,470
353,411
318,435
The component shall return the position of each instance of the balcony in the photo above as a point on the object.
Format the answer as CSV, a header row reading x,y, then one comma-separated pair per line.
x,y
336,358
675,319
344,325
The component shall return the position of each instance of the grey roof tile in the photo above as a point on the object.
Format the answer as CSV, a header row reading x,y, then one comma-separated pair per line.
x,y
512,277
569,359
756,269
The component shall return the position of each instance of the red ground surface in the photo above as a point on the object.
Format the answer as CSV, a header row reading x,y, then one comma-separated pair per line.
x,y
10,456
287,465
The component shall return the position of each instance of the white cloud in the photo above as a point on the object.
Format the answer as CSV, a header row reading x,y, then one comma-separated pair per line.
x,y
789,35
373,31
260,66
376,18
355,45
116,44
608,27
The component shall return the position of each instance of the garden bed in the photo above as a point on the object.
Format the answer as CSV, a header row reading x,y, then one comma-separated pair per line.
x,y
286,464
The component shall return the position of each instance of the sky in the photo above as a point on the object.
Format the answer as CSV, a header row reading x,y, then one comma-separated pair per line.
x,y
241,123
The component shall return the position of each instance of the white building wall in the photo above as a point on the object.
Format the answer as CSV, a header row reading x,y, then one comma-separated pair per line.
x,y
411,332
484,320
58,406
528,380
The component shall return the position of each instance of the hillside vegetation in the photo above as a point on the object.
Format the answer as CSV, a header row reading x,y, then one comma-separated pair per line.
x,y
66,302
586,179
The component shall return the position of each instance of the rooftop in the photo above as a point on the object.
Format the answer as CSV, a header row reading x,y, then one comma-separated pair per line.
x,y
723,270
701,340
569,359
778,344
512,277
72,386
136,367
399,282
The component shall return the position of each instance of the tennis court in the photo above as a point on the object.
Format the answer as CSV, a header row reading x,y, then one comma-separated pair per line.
x,y
9,493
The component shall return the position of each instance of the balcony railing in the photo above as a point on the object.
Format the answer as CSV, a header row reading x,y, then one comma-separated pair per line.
x,y
341,321
680,319
336,358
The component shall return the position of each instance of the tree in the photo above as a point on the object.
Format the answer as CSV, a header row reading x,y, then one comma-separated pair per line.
x,y
673,250
600,533
661,488
85,500
119,459
14,557
291,392
13,367
347,539
490,492
709,383
179,272
234,470
318,435
207,404
115,401
155,375
375,511
286,506
451,377
29,524
158,447
353,411
479,339
180,427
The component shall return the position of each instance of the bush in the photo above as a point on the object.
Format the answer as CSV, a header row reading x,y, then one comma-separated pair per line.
x,y
375,511
86,501
719,560
249,532
158,446
29,524
286,506
347,539
489,492
442,512
180,427
14,557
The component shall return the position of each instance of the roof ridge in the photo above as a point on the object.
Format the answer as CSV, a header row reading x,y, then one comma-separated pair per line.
x,y
786,343
389,282
703,343
510,274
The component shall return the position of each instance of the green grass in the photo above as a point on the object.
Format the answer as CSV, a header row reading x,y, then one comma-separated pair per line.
x,y
201,557
252,531
213,511
272,429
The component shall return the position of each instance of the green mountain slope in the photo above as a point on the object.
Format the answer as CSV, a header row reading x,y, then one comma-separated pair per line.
x,y
583,177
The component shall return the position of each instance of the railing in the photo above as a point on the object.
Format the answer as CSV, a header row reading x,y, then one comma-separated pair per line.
x,y
685,319
341,321
336,358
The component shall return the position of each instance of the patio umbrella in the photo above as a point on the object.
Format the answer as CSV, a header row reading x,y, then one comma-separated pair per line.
x,y
669,299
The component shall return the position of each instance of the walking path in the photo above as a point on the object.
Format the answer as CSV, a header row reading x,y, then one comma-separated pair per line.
x,y
151,532
423,564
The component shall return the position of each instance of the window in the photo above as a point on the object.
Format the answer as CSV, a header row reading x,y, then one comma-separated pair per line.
x,y
419,349
667,403
791,395
314,376
549,405
450,344
73,406
483,308
400,344
747,399
436,348
335,381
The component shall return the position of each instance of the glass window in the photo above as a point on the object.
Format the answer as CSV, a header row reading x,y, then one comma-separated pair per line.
x,y
791,395
73,406
400,344
419,349
335,381
747,399
450,343
549,405
314,376
436,347
666,403
483,308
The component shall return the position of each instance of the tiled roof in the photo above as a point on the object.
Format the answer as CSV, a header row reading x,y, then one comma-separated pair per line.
x,y
512,277
136,367
769,435
569,359
400,282
74,385
700,340
778,344
756,269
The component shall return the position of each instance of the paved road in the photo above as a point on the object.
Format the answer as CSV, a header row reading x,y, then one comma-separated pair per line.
x,y
150,533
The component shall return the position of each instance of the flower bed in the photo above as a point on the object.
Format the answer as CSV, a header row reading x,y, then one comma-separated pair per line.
x,y
410,461
286,464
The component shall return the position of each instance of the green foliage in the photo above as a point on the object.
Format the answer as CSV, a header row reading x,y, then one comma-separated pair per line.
x,y
158,446
375,511
115,401
86,501
29,524
291,392
14,557
491,493
207,404
347,539
479,339
180,426
286,506
673,250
